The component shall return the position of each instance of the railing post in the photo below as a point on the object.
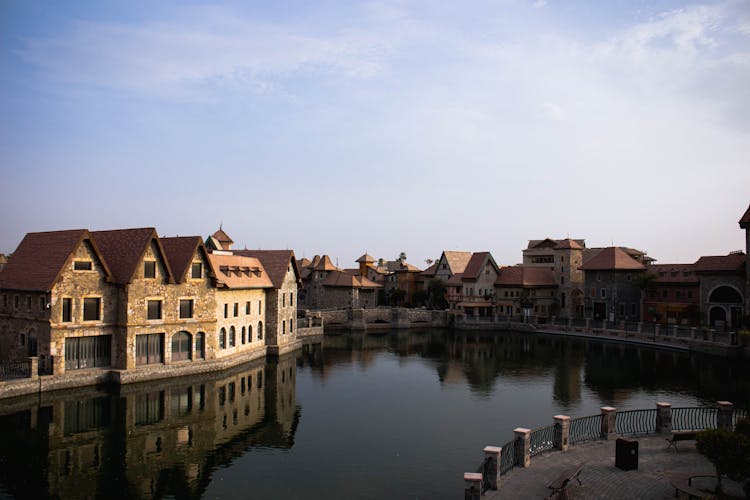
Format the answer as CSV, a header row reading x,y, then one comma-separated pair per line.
x,y
493,474
656,330
34,367
609,422
473,485
724,415
663,417
523,446
562,432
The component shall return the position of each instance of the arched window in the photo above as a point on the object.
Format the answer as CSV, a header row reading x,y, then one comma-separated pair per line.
x,y
249,333
725,294
260,330
231,336
182,343
243,334
200,345
222,338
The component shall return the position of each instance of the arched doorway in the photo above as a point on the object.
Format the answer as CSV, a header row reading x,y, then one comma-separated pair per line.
x,y
182,343
200,345
729,300
717,316
726,295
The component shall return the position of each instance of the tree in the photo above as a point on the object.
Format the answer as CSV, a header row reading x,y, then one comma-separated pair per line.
x,y
402,256
428,262
436,294
647,283
728,451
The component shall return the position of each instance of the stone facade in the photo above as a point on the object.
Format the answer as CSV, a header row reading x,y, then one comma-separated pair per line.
x,y
564,258
612,295
241,321
281,313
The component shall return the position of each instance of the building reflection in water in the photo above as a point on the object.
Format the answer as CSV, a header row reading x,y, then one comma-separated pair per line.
x,y
149,440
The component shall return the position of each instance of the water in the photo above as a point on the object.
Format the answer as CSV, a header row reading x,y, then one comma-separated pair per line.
x,y
398,415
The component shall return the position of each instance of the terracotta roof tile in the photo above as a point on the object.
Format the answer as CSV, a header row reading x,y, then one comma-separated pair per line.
x,y
325,264
222,237
238,271
525,276
568,244
612,258
339,278
457,261
123,249
366,259
430,271
561,244
476,264
303,262
180,251
720,263
673,273
276,263
40,258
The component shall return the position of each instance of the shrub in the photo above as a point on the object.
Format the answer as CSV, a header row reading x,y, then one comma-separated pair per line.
x,y
728,451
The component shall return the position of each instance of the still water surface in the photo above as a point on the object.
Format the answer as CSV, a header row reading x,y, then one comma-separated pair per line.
x,y
397,415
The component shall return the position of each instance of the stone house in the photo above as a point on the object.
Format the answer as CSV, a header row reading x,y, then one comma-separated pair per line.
x,y
345,290
675,297
450,263
526,290
241,287
281,299
613,294
473,290
722,289
564,258
313,277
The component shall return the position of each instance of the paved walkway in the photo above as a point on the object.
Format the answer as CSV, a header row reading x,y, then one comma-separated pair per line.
x,y
601,479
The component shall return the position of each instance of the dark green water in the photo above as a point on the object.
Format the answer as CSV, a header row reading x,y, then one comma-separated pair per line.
x,y
399,415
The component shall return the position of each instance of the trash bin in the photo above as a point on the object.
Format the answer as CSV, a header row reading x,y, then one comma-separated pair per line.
x,y
626,454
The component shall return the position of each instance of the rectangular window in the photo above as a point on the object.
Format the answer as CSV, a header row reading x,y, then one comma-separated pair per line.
x,y
690,295
91,308
153,309
42,304
260,303
603,293
186,308
16,301
82,265
149,269
291,325
5,300
247,307
149,349
291,299
67,310
283,300
226,310
28,302
633,309
236,309
196,270
622,309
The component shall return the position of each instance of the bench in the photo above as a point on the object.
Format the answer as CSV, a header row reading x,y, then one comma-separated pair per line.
x,y
682,482
560,484
688,435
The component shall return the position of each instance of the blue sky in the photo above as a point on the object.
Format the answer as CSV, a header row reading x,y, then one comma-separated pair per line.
x,y
340,127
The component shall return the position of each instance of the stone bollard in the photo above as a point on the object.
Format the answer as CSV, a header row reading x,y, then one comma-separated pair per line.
x,y
724,415
493,474
609,422
562,432
523,446
663,417
34,367
473,485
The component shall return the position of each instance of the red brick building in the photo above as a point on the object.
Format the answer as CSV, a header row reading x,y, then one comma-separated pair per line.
x,y
675,299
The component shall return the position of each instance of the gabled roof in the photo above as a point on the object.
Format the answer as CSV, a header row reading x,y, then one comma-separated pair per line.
x,y
338,278
123,250
719,263
476,264
367,259
557,244
457,261
303,262
325,264
745,220
430,271
525,276
41,257
276,263
238,272
315,261
612,259
180,251
222,237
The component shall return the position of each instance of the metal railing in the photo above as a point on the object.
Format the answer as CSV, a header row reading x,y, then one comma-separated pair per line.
x,y
484,469
508,456
542,439
634,422
15,369
585,428
693,418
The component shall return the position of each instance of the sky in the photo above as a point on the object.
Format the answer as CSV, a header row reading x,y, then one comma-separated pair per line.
x,y
383,126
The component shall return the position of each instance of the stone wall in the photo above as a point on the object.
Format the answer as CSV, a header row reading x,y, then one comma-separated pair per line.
x,y
248,326
709,282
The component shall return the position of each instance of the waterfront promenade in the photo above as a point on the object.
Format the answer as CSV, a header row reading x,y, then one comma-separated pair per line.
x,y
601,479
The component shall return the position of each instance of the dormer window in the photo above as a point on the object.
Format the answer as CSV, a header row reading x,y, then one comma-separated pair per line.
x,y
196,270
149,269
82,265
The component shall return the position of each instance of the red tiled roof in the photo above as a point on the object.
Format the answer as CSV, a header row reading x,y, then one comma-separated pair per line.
x,y
303,262
719,263
745,220
180,251
222,237
325,264
366,258
455,280
568,244
525,276
557,244
612,259
123,249
342,279
476,264
40,258
276,263
430,271
673,273
238,271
